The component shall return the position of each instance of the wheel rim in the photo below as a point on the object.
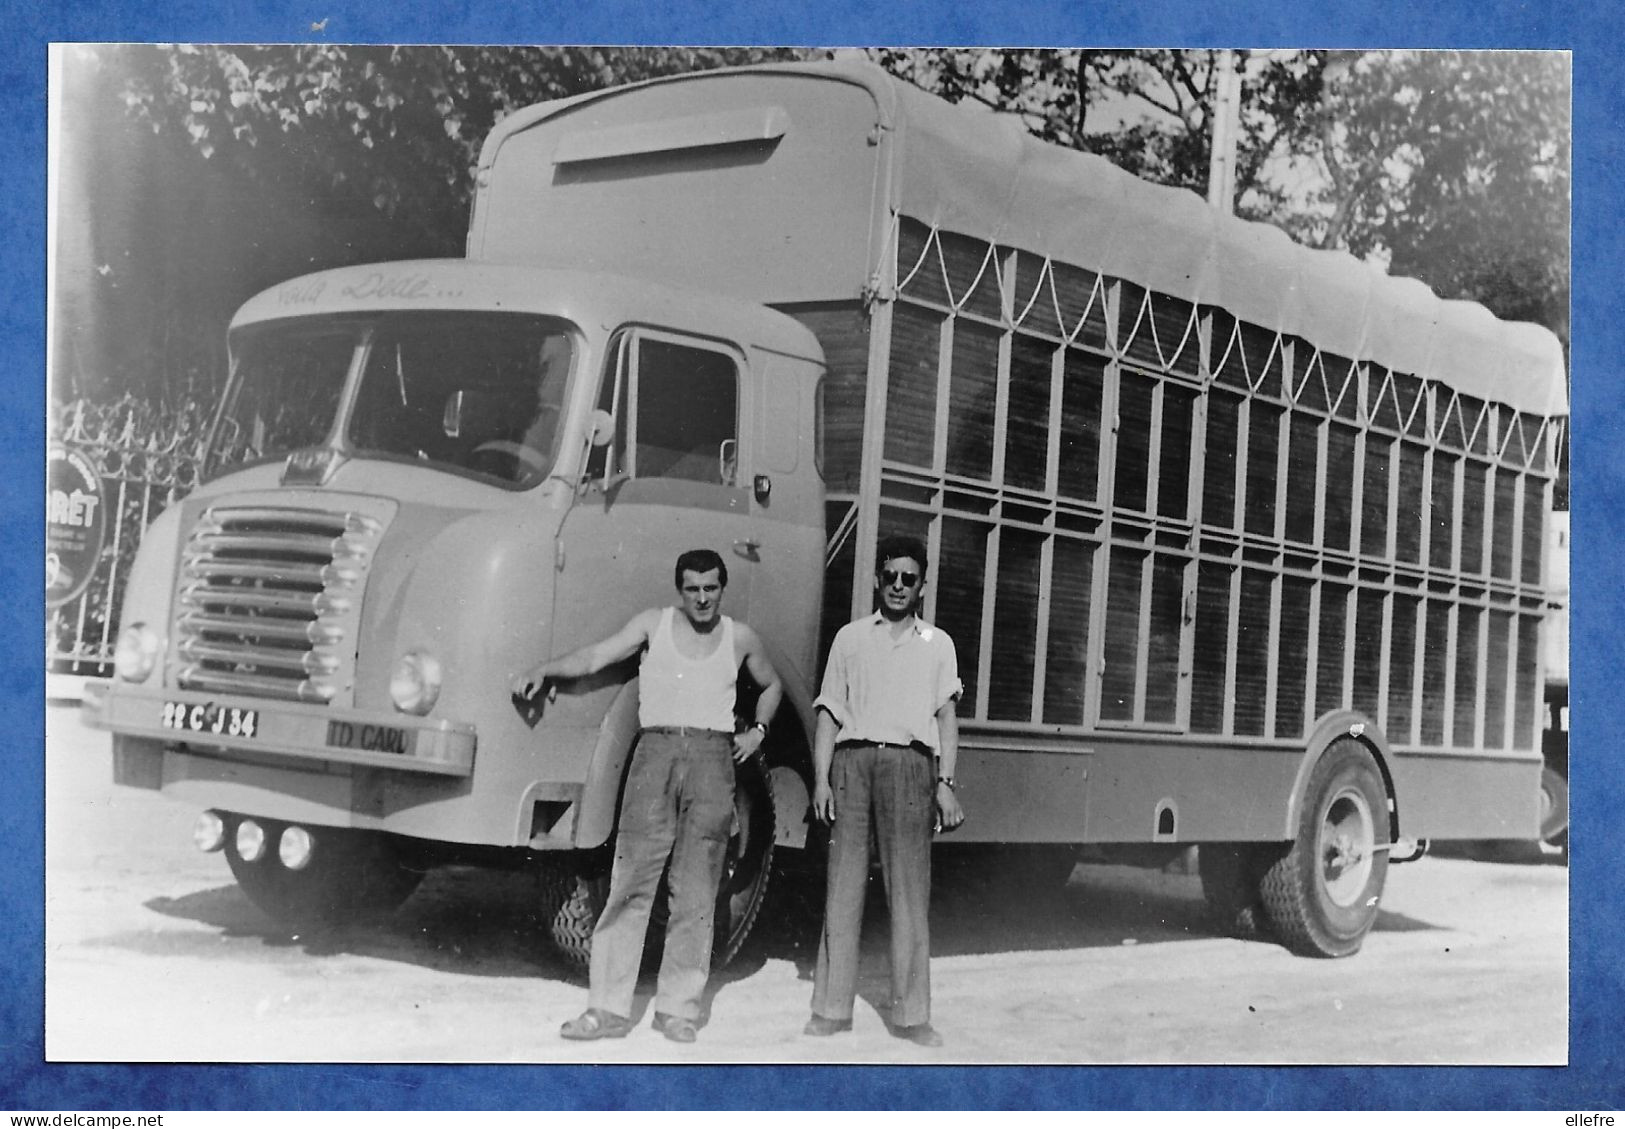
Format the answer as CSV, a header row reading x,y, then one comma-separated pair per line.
x,y
1347,842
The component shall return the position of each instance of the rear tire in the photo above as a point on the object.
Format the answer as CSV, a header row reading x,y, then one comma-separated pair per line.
x,y
1554,808
351,876
1232,877
1322,896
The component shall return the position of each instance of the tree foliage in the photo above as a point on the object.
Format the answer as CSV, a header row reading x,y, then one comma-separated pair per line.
x,y
237,166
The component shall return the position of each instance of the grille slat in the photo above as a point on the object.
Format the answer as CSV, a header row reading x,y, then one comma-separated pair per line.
x,y
269,601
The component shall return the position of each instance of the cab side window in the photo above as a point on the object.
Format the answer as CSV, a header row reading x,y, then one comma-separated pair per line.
x,y
678,414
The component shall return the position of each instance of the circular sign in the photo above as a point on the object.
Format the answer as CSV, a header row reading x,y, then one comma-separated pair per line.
x,y
75,524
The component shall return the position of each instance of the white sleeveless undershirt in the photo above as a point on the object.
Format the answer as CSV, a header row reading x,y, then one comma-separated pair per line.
x,y
676,690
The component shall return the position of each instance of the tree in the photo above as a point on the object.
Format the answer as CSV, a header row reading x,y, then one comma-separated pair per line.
x,y
1451,166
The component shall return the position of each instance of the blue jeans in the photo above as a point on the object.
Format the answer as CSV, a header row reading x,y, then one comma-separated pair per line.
x,y
678,805
892,790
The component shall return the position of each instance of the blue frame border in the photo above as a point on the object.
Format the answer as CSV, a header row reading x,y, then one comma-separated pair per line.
x,y
1596,1077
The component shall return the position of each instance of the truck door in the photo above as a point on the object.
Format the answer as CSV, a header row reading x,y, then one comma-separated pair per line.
x,y
668,481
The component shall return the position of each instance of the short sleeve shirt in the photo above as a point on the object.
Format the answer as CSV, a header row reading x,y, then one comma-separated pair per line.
x,y
880,688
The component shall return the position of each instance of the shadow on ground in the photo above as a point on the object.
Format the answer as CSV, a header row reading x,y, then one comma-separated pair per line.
x,y
480,922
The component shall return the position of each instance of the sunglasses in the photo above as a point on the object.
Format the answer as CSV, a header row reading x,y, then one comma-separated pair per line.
x,y
890,576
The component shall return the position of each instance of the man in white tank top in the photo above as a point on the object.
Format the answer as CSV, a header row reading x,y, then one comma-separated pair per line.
x,y
678,803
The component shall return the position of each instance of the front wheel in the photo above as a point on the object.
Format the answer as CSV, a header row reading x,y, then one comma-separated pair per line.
x,y
1321,897
747,865
350,876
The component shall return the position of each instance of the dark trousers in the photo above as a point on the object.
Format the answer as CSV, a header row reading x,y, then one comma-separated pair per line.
x,y
892,791
678,805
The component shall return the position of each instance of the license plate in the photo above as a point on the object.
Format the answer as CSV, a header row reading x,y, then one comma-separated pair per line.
x,y
370,738
206,717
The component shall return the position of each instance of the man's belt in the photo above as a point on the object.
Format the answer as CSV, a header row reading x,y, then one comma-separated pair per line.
x,y
915,746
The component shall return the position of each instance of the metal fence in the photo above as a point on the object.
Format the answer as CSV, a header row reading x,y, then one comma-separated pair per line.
x,y
149,458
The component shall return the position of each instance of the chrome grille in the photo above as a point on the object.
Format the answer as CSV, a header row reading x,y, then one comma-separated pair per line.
x,y
269,601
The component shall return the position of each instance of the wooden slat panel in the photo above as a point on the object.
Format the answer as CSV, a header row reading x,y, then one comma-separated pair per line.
x,y
1474,480
1341,468
1263,474
972,399
1083,304
972,274
1496,669
1292,679
1066,658
1174,460
960,584
1442,527
1435,671
1120,675
1534,530
843,334
1333,648
1374,500
911,391
1081,390
1368,651
1253,647
1402,670
1302,471
1411,484
1503,523
1134,399
1015,626
1210,658
1165,621
919,265
1026,440
1464,730
1526,694
1219,472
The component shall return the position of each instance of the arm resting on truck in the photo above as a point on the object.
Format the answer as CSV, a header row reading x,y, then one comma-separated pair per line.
x,y
590,659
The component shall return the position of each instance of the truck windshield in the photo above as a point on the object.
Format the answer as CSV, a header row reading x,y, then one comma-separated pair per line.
x,y
476,393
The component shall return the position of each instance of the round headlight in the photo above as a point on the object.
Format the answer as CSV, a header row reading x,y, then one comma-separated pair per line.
x,y
209,832
415,684
250,841
136,653
295,847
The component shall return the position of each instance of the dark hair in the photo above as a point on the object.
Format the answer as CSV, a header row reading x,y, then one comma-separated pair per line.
x,y
699,560
897,545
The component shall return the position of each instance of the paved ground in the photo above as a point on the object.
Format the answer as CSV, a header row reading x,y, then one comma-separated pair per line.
x,y
154,955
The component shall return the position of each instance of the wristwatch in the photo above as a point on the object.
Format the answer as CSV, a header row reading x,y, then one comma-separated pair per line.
x,y
948,780
762,725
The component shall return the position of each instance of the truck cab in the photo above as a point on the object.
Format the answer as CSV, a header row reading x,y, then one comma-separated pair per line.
x,y
427,477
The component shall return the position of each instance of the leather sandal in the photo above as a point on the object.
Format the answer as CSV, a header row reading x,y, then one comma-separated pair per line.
x,y
675,1027
596,1024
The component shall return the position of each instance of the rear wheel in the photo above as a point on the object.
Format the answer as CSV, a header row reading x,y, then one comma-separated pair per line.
x,y
351,875
1321,897
1554,808
1232,874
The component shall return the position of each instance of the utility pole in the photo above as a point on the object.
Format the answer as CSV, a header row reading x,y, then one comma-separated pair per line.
x,y
1221,178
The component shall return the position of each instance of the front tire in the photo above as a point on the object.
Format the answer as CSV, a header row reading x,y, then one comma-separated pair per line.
x,y
1321,897
351,876
747,866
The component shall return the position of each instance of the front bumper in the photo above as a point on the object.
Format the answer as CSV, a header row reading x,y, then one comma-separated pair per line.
x,y
292,730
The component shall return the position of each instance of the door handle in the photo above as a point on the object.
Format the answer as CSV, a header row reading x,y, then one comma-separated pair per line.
x,y
748,549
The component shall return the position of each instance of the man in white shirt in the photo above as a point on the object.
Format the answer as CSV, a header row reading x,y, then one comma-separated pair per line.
x,y
884,756
678,802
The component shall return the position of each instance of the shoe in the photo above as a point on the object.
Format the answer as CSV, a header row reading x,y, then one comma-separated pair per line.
x,y
920,1034
819,1025
675,1027
596,1024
